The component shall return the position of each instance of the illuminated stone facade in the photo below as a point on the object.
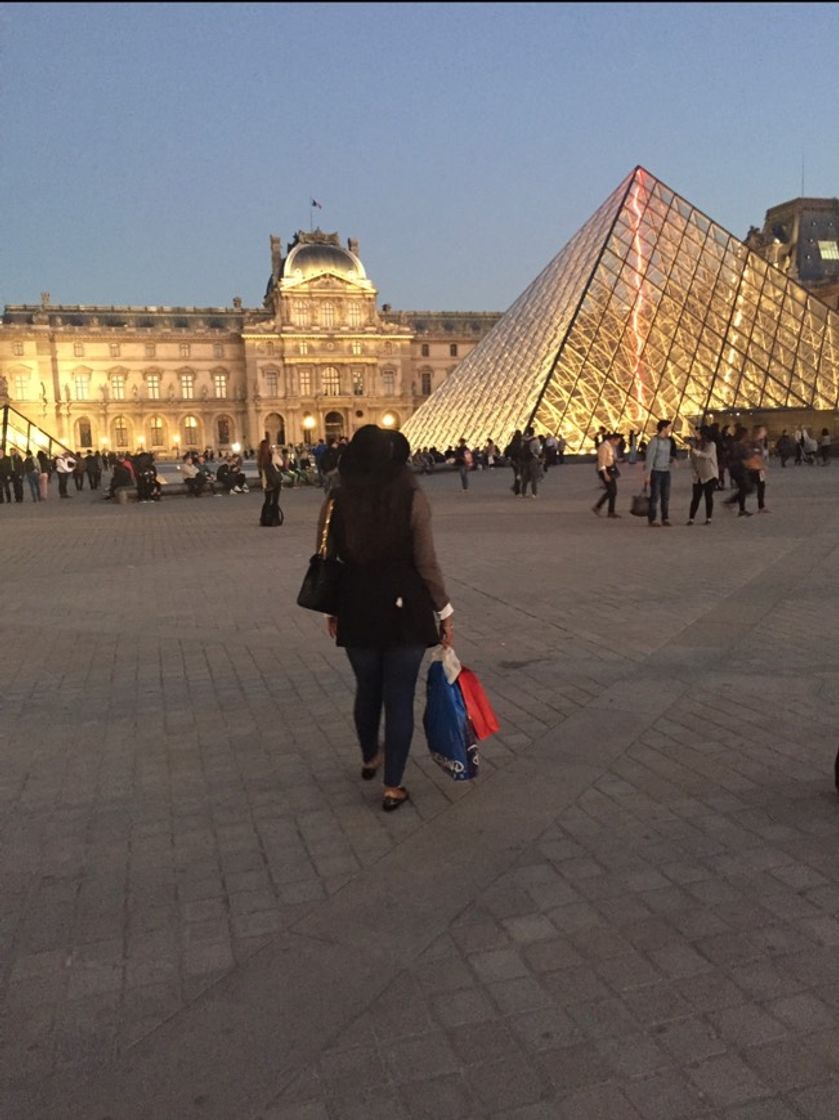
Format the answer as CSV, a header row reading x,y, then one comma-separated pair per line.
x,y
651,310
316,359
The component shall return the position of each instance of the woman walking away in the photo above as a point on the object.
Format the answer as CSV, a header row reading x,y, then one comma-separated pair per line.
x,y
607,471
270,465
392,602
739,468
703,461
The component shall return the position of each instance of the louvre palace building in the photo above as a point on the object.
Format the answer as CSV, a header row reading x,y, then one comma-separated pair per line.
x,y
317,359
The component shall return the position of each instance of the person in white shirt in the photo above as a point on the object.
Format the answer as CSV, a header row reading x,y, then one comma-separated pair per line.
x,y
65,464
608,471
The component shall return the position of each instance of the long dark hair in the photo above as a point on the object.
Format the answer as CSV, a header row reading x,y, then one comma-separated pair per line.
x,y
373,501
263,455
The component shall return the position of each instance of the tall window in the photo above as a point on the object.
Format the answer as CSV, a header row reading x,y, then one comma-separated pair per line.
x,y
453,350
184,349
220,385
271,384
426,384
425,349
190,434
78,349
302,348
81,383
151,349
388,347
300,313
356,347
388,382
218,349
269,349
223,429
153,386
331,382
357,383
114,349
118,387
304,380
327,315
120,431
85,437
187,386
17,348
21,384
355,315
156,431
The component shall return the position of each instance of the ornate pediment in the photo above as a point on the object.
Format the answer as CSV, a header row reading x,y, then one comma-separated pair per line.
x,y
315,237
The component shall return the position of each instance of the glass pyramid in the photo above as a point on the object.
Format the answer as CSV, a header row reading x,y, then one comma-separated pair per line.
x,y
651,310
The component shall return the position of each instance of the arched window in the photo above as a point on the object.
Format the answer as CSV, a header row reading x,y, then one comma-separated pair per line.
x,y
275,428
300,313
354,316
327,315
331,382
334,424
190,431
224,428
120,430
157,430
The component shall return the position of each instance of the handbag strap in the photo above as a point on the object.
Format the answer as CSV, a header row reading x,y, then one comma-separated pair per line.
x,y
324,536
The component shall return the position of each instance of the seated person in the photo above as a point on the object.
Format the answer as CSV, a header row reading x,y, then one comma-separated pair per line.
x,y
194,480
231,477
122,476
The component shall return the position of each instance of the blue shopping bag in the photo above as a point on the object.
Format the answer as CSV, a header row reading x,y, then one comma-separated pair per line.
x,y
450,739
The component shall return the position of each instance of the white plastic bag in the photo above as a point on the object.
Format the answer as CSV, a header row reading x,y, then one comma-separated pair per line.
x,y
451,665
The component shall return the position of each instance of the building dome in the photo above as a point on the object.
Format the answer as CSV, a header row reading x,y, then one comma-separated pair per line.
x,y
307,261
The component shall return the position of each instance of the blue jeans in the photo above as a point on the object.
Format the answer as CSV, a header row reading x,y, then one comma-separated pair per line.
x,y
659,488
386,678
464,476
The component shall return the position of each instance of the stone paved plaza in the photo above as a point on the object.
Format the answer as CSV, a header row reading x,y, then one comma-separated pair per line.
x,y
631,915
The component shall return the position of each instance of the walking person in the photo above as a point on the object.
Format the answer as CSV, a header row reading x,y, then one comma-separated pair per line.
x,y
703,462
607,470
739,467
392,602
512,453
824,447
756,465
17,474
44,474
657,463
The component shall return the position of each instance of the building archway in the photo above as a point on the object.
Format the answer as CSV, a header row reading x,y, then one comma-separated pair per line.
x,y
156,427
191,433
83,434
333,424
121,433
275,428
225,431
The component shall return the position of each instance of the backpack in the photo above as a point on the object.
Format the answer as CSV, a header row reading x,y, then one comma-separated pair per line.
x,y
467,457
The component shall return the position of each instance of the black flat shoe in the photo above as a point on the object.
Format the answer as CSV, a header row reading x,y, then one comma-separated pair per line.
x,y
390,803
370,769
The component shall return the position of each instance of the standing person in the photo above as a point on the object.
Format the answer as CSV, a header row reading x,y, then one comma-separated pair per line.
x,y
269,462
79,471
799,447
824,447
393,603
785,447
43,474
531,463
93,469
607,469
5,477
657,469
65,464
512,453
560,449
17,474
463,458
703,462
31,470
633,446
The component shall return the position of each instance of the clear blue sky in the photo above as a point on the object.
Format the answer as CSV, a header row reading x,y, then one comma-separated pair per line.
x,y
147,151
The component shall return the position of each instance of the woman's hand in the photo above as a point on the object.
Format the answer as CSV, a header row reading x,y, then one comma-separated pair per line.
x,y
332,626
447,631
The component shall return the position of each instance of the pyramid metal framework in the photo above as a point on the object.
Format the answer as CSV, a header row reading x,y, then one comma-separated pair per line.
x,y
651,310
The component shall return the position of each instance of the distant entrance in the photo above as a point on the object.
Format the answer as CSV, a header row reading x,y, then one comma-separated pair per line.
x,y
334,424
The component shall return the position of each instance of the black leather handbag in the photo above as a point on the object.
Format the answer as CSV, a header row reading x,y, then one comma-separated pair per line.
x,y
321,587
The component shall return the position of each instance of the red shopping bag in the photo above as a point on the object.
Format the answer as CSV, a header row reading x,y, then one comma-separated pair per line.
x,y
483,719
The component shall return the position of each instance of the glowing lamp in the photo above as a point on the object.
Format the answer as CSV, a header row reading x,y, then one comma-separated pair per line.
x,y
236,448
388,420
309,422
